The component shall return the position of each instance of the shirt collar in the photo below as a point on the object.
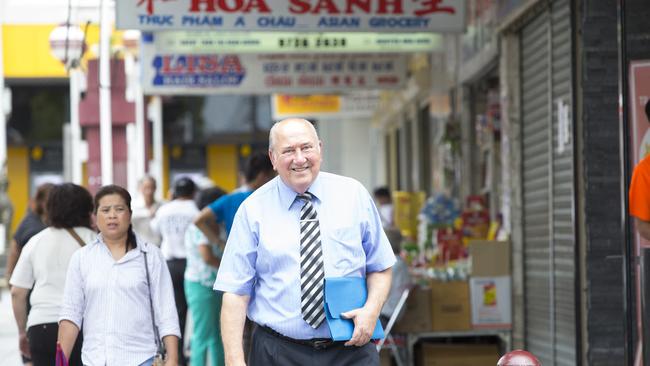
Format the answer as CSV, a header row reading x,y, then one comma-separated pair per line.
x,y
144,247
288,195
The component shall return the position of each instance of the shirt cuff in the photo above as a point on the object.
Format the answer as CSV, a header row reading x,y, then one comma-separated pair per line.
x,y
76,322
378,267
241,290
171,330
21,284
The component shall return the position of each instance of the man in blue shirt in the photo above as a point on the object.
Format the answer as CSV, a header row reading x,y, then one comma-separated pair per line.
x,y
222,211
262,266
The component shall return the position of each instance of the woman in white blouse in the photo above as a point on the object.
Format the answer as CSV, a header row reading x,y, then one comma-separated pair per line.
x,y
42,265
113,294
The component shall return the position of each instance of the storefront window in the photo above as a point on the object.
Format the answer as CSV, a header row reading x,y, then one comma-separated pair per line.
x,y
37,113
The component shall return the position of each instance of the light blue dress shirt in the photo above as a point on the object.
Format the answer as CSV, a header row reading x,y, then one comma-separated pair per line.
x,y
262,256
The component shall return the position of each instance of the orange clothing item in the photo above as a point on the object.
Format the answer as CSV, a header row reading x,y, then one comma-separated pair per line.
x,y
640,190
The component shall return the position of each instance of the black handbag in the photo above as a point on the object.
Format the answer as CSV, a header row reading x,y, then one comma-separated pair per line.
x,y
159,358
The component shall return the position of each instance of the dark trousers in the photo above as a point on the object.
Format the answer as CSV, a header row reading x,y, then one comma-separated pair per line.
x,y
270,350
42,345
177,272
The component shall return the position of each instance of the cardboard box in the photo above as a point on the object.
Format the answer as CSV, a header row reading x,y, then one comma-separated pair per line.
x,y
385,358
489,258
491,302
450,306
432,354
417,312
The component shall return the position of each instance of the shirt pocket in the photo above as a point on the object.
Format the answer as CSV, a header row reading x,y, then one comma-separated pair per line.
x,y
346,251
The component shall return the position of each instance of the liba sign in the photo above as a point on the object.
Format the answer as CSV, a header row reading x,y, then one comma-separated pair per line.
x,y
165,73
445,16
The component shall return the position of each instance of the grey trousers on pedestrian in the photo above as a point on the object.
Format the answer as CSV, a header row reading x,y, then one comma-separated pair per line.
x,y
270,350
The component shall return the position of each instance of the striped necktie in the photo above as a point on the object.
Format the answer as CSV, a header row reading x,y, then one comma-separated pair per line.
x,y
311,264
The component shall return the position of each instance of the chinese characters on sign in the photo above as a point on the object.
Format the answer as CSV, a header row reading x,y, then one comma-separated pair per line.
x,y
294,15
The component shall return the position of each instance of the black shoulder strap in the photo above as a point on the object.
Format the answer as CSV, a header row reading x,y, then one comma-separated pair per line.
x,y
153,317
75,236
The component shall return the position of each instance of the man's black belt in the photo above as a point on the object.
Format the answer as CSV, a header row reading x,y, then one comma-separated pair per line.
x,y
315,343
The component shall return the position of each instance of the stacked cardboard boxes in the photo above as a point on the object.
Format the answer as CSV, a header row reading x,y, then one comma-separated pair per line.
x,y
436,354
482,302
450,305
490,285
442,306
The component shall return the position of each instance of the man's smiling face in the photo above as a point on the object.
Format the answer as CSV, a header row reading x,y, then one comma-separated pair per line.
x,y
296,153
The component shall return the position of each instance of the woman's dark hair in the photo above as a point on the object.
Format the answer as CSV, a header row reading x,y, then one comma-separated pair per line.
x,y
207,196
69,205
131,242
40,198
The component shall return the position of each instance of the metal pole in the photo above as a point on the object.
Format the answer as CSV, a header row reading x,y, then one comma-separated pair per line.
x,y
75,128
132,148
141,161
3,121
155,114
105,118
628,243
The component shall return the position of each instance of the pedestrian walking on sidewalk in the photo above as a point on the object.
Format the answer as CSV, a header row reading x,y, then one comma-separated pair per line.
x,y
171,221
288,235
203,258
43,265
119,288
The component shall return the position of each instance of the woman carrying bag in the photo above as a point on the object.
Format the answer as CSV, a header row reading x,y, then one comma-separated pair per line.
x,y
120,289
43,265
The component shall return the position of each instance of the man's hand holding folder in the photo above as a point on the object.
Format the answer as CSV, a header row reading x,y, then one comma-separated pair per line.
x,y
349,315
365,321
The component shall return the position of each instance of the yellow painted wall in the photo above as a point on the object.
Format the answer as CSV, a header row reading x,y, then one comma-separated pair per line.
x,y
222,165
26,51
18,171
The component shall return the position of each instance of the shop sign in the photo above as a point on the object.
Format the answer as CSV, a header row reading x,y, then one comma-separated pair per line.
x,y
169,73
352,105
293,15
291,42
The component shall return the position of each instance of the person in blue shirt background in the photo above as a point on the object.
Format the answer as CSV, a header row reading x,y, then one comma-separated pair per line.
x,y
260,272
222,211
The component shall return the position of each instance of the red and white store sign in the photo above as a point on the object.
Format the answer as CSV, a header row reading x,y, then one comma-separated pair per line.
x,y
445,16
165,73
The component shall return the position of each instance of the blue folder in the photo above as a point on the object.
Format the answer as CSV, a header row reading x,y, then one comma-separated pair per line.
x,y
343,294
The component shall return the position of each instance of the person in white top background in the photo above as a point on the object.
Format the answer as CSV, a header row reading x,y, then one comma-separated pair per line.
x,y
120,289
171,221
384,206
42,265
144,209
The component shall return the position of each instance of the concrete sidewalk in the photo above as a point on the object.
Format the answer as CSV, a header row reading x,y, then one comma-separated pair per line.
x,y
9,354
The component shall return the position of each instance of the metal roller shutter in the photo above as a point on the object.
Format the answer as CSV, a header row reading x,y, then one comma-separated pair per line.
x,y
548,188
536,135
563,192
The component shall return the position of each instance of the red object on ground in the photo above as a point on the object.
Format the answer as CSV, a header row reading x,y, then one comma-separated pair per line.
x,y
519,358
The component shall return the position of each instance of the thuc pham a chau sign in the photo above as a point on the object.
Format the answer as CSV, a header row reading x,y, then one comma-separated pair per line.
x,y
445,16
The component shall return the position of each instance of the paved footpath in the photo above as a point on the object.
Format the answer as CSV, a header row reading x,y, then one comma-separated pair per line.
x,y
9,354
